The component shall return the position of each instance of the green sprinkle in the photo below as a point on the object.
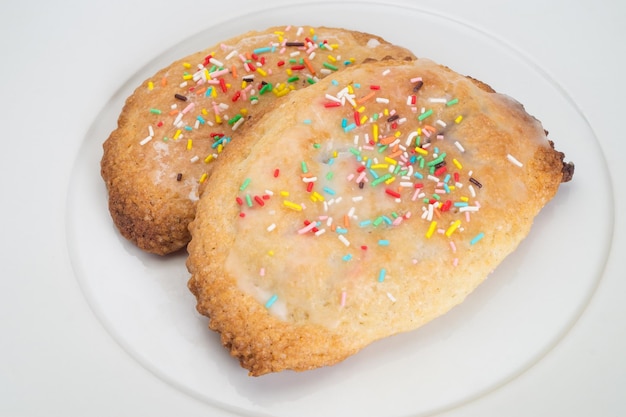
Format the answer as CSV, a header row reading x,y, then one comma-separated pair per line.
x,y
382,148
271,301
330,66
248,200
267,87
293,79
155,111
330,175
424,115
436,197
378,221
355,152
245,184
382,274
304,167
381,179
234,119
165,138
477,238
438,160
452,102
254,98
311,81
394,215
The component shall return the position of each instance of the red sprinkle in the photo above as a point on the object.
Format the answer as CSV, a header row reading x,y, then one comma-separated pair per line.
x,y
280,63
309,187
457,177
446,206
239,201
266,196
276,172
242,214
392,192
297,67
236,96
223,85
440,171
332,104
259,200
357,119
364,247
374,87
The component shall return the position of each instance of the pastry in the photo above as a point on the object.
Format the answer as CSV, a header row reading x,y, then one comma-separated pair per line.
x,y
176,124
362,207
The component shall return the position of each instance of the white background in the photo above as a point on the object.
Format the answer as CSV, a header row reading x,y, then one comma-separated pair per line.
x,y
61,61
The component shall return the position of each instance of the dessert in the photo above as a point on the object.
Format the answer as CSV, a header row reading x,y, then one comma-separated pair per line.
x,y
364,206
177,123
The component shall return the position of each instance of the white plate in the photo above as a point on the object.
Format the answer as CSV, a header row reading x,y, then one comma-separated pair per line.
x,y
504,327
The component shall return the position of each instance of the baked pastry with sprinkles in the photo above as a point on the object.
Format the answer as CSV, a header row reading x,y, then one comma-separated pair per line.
x,y
176,124
364,206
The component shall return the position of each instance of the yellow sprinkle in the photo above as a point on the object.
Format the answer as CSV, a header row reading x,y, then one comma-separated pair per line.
x,y
220,148
361,109
204,112
177,134
318,196
244,84
186,65
189,144
292,205
452,187
203,178
243,111
187,77
390,180
282,92
457,163
284,193
386,112
458,119
213,92
375,133
270,253
208,159
312,31
453,227
421,150
431,229
379,166
464,199
289,71
261,71
350,89
150,85
391,161
279,32
398,134
332,58
335,154
218,119
335,46
207,74
364,119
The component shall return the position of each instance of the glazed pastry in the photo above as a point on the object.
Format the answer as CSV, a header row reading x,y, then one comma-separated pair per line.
x,y
364,206
176,124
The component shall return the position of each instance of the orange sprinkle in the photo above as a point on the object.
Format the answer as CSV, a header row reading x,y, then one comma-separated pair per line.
x,y
201,90
346,221
394,154
233,71
386,140
308,64
366,97
173,112
164,81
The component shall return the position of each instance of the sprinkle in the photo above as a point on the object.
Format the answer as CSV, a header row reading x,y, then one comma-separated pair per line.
x,y
424,115
453,227
475,182
382,274
145,140
271,301
477,238
180,97
431,229
452,102
292,205
245,184
391,297
179,177
347,257
383,242
514,161
343,240
459,146
271,227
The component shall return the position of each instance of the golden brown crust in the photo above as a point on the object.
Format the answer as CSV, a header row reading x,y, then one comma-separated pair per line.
x,y
333,305
153,187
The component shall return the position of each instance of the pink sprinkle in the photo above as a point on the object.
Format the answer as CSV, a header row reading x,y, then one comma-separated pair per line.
x,y
455,262
343,298
453,247
307,228
262,272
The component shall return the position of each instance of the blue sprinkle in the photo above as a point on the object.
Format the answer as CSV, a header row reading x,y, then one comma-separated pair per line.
x,y
381,275
365,223
344,123
335,82
383,242
418,176
341,231
445,187
347,257
447,178
374,174
188,128
477,238
461,204
307,121
329,190
356,85
262,50
350,127
201,120
271,301
387,220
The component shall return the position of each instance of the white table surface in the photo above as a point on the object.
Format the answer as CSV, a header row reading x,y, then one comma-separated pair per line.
x,y
59,61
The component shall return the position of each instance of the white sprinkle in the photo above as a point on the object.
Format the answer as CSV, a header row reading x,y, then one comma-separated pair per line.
x,y
216,62
382,100
472,192
514,161
441,123
437,100
178,119
333,98
307,228
271,227
269,192
469,209
312,55
351,212
231,54
320,232
145,140
194,159
238,123
433,178
416,79
387,71
183,84
309,179
391,297
356,199
343,240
